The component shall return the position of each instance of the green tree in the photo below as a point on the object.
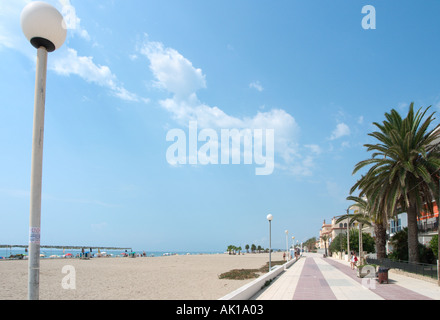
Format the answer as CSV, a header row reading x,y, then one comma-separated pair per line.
x,y
399,242
247,248
310,244
361,217
402,164
339,243
433,244
368,243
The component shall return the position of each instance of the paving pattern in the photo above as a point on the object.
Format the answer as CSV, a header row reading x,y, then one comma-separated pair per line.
x,y
313,277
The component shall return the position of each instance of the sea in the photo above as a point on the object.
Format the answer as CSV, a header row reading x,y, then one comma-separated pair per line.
x,y
49,253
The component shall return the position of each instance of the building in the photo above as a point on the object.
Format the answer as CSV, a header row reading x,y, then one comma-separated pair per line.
x,y
333,229
324,233
428,227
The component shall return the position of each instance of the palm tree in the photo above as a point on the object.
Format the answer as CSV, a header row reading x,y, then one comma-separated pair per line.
x,y
402,166
325,238
362,218
378,219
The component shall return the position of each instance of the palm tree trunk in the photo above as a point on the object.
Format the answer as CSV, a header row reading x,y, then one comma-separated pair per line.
x,y
361,248
413,238
380,231
438,233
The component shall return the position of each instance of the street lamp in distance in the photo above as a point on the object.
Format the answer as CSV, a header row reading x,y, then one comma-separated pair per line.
x,y
269,218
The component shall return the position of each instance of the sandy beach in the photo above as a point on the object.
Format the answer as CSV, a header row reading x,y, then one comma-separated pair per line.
x,y
178,277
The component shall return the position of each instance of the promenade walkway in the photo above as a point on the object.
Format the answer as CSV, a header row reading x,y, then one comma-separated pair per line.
x,y
316,278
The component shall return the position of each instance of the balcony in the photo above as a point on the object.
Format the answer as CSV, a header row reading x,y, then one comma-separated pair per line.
x,y
428,227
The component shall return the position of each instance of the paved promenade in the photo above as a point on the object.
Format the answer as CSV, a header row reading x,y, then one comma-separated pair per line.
x,y
316,278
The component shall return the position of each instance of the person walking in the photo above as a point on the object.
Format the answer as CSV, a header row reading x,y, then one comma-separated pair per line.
x,y
353,261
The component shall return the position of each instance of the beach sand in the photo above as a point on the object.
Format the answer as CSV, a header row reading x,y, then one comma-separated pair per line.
x,y
178,277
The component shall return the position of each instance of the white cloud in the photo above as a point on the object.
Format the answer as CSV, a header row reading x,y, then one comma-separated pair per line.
x,y
402,106
345,144
11,35
177,75
66,61
341,130
314,148
173,72
73,22
69,62
256,85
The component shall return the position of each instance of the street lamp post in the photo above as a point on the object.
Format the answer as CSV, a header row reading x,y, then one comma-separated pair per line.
x,y
44,27
269,218
293,244
287,246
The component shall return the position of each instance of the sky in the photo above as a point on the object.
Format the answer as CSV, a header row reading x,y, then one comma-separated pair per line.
x,y
136,81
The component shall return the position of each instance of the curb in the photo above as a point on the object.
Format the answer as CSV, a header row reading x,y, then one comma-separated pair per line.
x,y
250,289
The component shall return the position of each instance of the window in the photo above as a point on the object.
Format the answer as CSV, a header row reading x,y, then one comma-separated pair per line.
x,y
395,225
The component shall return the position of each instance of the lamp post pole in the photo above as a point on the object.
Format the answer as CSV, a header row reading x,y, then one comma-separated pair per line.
x,y
45,29
293,244
269,218
36,175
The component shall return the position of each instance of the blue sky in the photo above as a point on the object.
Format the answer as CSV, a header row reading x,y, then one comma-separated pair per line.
x,y
130,71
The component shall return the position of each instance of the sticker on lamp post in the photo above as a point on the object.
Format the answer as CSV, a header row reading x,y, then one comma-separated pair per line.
x,y
34,235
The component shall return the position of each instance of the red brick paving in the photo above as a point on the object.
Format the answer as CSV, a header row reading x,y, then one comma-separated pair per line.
x,y
312,284
390,291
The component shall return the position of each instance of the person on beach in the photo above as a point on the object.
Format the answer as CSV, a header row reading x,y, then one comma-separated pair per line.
x,y
284,256
353,261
